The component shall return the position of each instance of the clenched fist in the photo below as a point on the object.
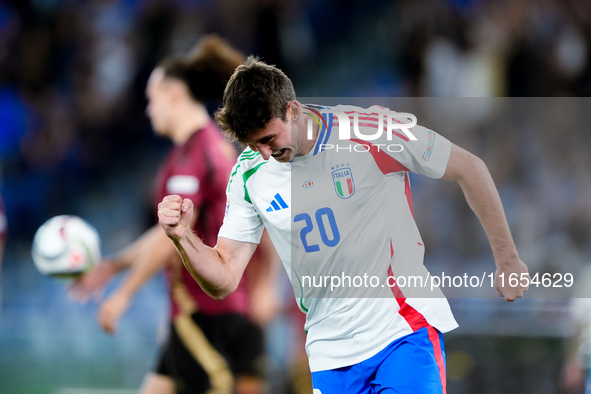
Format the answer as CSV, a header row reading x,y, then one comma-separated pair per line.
x,y
174,215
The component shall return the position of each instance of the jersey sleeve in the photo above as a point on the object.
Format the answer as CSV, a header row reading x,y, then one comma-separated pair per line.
x,y
427,155
241,221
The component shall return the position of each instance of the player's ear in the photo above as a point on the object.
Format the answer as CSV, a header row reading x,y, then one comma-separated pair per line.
x,y
294,110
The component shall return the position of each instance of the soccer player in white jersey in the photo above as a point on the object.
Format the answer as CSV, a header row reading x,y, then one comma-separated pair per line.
x,y
337,205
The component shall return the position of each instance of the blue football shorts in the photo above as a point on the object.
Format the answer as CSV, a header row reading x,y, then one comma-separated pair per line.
x,y
413,364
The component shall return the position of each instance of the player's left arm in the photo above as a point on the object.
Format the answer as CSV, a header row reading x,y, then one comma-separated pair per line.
x,y
148,261
481,194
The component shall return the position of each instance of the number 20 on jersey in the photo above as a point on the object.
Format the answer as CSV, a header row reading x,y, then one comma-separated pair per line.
x,y
310,226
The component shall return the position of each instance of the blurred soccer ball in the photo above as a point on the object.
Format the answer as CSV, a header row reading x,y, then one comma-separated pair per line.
x,y
66,246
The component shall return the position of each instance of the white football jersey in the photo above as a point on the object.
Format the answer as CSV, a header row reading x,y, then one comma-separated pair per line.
x,y
341,220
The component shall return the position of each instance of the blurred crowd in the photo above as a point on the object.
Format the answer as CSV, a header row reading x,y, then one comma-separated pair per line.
x,y
536,150
73,74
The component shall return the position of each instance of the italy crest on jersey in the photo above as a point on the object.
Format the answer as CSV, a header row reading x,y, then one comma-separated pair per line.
x,y
342,177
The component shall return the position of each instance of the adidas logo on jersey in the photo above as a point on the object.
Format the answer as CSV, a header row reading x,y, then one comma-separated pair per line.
x,y
277,204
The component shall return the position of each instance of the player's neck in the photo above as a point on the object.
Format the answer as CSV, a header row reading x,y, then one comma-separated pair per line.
x,y
307,144
189,119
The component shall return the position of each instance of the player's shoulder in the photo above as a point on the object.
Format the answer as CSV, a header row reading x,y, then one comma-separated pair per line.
x,y
223,150
247,162
249,158
209,144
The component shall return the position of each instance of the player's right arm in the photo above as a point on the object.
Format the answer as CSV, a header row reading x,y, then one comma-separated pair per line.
x,y
217,270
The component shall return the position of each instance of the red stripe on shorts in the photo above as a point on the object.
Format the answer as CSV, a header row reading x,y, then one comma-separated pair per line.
x,y
434,338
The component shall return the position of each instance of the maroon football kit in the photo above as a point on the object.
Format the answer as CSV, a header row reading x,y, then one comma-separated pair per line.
x,y
210,340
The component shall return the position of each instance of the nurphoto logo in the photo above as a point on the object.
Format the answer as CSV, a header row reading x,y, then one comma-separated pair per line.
x,y
393,123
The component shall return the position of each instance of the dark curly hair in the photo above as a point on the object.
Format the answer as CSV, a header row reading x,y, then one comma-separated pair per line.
x,y
256,94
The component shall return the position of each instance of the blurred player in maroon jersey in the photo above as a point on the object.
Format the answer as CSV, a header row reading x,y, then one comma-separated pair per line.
x,y
213,346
